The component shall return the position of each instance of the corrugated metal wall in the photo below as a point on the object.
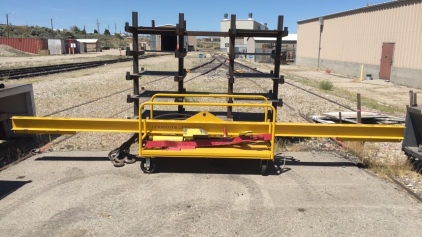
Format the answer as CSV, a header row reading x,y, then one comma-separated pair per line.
x,y
307,40
357,37
30,45
56,46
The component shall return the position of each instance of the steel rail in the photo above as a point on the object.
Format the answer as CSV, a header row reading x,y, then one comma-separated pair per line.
x,y
59,68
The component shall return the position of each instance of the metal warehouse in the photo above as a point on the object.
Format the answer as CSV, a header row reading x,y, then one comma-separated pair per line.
x,y
385,39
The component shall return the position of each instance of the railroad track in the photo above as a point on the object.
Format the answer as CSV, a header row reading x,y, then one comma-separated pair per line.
x,y
203,70
60,68
245,68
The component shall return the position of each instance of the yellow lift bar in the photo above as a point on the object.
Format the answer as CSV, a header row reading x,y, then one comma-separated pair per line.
x,y
205,135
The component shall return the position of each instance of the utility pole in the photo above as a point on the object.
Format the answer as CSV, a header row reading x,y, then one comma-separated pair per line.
x,y
84,31
7,23
115,29
51,23
98,26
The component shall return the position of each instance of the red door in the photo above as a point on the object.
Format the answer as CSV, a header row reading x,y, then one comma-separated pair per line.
x,y
386,60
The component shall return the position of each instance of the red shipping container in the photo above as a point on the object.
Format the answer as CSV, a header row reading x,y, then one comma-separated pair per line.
x,y
30,45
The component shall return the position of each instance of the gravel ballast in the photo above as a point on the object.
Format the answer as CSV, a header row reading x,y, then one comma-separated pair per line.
x,y
101,93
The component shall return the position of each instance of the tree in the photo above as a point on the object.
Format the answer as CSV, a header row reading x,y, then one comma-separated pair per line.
x,y
69,35
117,35
75,29
106,32
83,32
95,32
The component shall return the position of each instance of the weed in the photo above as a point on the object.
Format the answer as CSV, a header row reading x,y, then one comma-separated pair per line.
x,y
351,96
326,85
367,155
4,79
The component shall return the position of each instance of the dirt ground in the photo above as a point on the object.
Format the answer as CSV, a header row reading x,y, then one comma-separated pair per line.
x,y
15,58
385,92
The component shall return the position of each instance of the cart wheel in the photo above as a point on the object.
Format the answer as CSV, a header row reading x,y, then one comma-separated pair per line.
x,y
264,168
129,159
118,162
113,155
151,168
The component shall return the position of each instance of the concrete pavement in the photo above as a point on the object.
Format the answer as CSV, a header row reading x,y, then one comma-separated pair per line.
x,y
317,194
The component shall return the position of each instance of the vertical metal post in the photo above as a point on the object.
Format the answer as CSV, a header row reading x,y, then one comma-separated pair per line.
x,y
232,41
339,117
359,112
277,59
153,39
411,102
135,63
321,26
181,70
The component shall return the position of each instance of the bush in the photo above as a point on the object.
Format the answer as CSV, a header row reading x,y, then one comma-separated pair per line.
x,y
326,85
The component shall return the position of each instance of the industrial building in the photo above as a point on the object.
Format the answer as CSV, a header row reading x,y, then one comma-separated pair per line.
x,y
169,42
267,45
89,45
257,44
240,42
384,39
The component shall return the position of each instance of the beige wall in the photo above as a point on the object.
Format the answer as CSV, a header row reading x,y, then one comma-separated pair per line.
x,y
240,24
307,40
358,37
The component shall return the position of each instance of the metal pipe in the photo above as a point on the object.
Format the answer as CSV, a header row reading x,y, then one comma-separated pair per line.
x,y
358,111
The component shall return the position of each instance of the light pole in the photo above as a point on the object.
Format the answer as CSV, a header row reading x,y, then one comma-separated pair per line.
x,y
7,22
52,22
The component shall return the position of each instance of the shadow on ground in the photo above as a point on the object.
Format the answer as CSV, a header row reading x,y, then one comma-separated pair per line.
x,y
13,150
281,164
9,186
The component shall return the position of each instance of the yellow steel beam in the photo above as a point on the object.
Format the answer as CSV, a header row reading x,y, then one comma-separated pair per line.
x,y
71,125
359,132
211,124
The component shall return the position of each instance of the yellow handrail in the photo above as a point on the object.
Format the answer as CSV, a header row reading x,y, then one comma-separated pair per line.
x,y
208,95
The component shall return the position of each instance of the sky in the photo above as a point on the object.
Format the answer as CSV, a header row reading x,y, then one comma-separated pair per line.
x,y
200,15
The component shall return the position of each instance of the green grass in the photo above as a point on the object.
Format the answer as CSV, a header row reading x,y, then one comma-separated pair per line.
x,y
351,96
326,85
